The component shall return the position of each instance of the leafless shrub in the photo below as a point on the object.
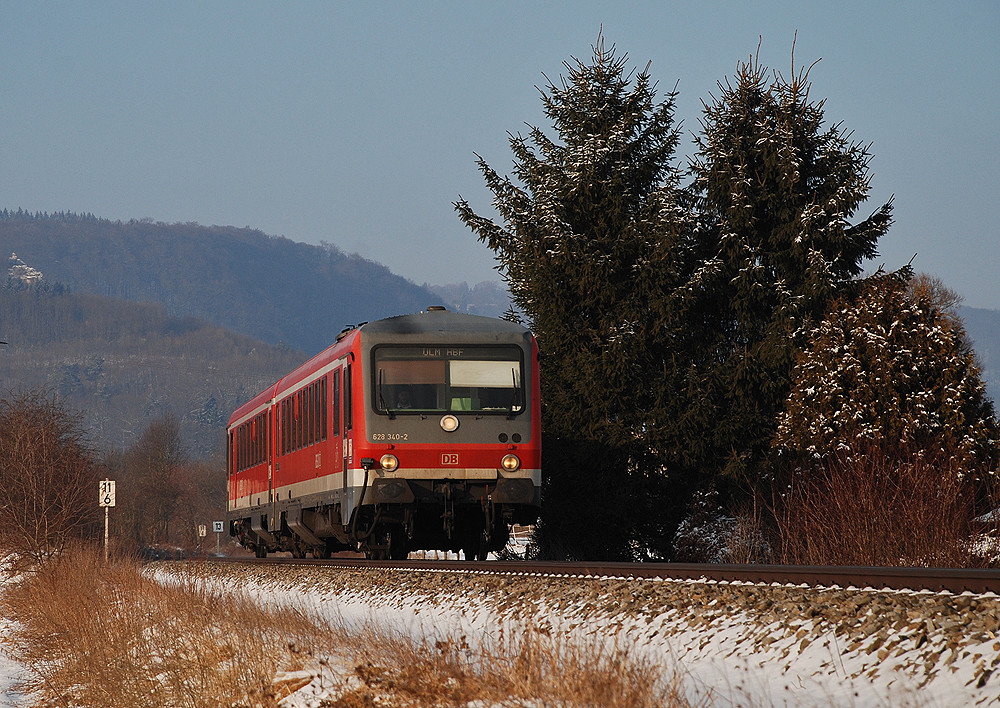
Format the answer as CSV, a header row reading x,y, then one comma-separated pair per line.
x,y
48,479
868,507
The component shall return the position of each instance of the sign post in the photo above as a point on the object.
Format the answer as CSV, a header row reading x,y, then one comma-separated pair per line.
x,y
217,527
106,498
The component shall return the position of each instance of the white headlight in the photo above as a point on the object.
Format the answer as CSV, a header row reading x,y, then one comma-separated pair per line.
x,y
389,463
449,424
510,463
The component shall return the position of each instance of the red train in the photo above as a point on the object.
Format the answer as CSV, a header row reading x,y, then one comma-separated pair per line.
x,y
414,432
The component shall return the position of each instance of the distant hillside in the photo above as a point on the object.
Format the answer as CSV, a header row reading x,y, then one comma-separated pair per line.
x,y
270,288
489,299
983,327
123,364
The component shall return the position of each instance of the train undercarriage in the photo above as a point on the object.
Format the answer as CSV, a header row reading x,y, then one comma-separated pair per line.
x,y
396,518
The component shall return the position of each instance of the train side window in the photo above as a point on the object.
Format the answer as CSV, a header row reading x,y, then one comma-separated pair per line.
x,y
322,408
312,413
296,419
281,427
307,416
318,411
256,440
258,448
301,422
336,402
286,432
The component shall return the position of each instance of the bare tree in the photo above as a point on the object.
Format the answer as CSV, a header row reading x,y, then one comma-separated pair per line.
x,y
48,477
153,483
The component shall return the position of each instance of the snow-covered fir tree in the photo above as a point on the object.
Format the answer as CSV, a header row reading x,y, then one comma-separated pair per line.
x,y
779,190
593,242
890,371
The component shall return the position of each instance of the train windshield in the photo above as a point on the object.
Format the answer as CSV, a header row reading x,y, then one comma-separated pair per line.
x,y
416,379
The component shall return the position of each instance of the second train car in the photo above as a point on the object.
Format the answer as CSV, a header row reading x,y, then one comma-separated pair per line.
x,y
414,432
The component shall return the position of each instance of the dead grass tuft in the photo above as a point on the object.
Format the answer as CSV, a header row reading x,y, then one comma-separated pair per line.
x,y
518,666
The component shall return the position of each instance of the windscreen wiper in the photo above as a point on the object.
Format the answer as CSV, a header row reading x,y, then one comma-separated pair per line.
x,y
515,396
381,398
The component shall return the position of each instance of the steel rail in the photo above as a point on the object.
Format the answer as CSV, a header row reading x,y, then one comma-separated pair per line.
x,y
954,580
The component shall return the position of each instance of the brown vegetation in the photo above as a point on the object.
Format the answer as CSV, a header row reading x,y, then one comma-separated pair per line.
x,y
94,633
869,508
48,478
163,494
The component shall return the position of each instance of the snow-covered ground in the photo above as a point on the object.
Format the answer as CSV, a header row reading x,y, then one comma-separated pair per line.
x,y
739,644
9,669
743,645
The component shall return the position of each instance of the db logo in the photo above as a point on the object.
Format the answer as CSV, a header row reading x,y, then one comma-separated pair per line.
x,y
449,458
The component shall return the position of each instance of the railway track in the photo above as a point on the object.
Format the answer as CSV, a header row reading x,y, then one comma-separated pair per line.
x,y
954,580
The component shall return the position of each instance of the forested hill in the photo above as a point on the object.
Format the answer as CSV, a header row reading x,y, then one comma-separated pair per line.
x,y
123,365
270,288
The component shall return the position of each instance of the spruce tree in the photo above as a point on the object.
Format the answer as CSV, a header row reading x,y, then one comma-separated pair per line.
x,y
593,242
778,191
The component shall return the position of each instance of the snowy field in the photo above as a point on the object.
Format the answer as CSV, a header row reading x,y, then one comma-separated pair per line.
x,y
734,644
729,644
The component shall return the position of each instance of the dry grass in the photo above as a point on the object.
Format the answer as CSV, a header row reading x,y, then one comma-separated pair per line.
x,y
527,667
105,634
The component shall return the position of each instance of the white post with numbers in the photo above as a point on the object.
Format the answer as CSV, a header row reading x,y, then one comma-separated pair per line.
x,y
218,527
106,498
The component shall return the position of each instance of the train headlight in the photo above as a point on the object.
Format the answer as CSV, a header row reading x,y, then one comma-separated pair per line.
x,y
449,424
389,463
510,463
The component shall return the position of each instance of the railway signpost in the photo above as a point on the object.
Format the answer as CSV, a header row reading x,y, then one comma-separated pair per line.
x,y
218,527
106,499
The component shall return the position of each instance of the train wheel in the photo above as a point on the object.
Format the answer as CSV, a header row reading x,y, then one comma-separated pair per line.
x,y
260,550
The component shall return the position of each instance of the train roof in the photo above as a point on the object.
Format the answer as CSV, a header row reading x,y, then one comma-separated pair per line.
x,y
441,320
427,324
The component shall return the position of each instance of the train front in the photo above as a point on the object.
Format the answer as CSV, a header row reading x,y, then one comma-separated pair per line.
x,y
451,445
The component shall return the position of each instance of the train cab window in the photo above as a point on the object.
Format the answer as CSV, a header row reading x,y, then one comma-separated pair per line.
x,y
440,379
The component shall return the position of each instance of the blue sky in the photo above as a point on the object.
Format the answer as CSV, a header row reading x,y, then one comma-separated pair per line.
x,y
356,123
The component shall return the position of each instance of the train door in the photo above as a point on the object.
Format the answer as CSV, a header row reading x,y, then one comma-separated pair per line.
x,y
270,431
345,425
